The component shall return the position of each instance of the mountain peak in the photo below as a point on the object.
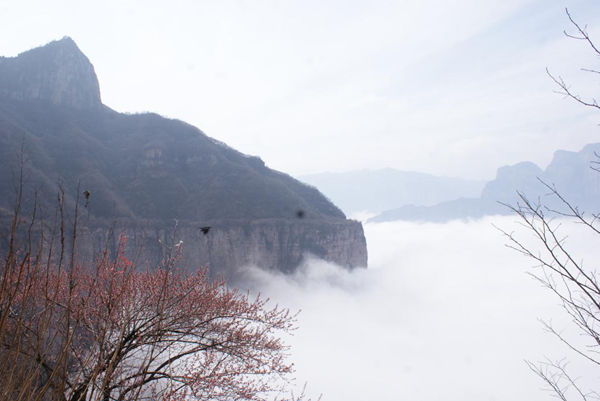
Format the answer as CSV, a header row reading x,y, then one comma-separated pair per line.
x,y
65,43
57,72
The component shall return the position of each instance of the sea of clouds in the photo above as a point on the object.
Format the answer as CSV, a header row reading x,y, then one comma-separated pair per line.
x,y
444,312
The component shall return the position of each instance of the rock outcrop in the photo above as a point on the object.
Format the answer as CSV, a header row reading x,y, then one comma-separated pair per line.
x,y
58,72
156,180
272,244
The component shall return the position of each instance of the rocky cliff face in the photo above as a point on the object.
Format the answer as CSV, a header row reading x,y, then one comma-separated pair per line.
x,y
159,180
58,72
273,244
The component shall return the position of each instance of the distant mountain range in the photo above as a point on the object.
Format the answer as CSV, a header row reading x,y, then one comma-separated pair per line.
x,y
158,180
375,191
404,195
570,173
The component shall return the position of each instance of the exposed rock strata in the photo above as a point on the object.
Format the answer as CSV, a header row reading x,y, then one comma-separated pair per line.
x,y
273,244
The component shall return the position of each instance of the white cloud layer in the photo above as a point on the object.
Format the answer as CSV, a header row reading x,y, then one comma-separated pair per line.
x,y
444,312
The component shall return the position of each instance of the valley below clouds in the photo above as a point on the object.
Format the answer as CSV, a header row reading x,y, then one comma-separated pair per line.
x,y
444,312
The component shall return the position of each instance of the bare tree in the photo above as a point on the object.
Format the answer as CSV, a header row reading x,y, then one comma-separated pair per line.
x,y
580,33
560,270
575,284
107,330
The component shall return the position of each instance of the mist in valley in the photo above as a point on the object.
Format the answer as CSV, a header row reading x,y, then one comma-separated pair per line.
x,y
444,312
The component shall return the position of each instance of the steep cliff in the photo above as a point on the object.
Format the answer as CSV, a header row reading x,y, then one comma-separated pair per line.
x,y
272,244
58,72
155,179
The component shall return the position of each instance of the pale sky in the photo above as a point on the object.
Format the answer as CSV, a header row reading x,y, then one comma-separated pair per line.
x,y
447,87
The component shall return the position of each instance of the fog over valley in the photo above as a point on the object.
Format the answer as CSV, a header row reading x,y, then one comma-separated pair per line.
x,y
444,311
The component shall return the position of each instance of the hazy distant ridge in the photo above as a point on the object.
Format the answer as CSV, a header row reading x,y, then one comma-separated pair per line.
x,y
570,172
378,190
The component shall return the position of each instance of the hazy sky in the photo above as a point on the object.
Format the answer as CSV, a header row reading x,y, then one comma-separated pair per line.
x,y
448,87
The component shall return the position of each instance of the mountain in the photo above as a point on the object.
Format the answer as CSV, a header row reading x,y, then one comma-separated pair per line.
x,y
378,190
155,179
569,172
57,73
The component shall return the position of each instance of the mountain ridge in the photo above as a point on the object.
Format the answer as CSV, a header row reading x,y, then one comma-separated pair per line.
x,y
569,172
144,167
381,189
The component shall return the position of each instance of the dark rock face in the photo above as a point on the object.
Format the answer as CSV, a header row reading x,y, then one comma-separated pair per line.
x,y
156,180
272,244
58,73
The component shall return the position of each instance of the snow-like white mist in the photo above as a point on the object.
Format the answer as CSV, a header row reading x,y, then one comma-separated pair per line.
x,y
444,312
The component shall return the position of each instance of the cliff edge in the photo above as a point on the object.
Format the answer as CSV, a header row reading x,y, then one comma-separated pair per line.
x,y
158,180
